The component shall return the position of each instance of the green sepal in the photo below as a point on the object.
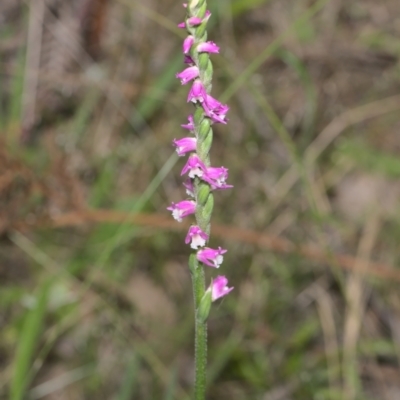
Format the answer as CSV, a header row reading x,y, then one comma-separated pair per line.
x,y
198,116
204,145
201,11
208,208
203,191
204,307
193,31
193,263
201,31
204,61
207,73
203,127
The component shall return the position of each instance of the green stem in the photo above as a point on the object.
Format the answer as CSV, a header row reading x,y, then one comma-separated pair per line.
x,y
203,195
198,281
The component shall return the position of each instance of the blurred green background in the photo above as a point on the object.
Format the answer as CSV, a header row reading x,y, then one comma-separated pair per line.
x,y
95,293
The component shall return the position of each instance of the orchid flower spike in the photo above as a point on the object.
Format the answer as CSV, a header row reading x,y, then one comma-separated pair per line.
x,y
202,179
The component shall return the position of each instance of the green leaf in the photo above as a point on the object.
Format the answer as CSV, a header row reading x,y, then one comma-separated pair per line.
x,y
129,383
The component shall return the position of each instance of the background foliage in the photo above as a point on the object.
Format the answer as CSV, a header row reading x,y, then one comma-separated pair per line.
x,y
95,294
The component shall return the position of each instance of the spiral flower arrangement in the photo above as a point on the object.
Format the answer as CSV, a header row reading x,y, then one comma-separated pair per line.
x,y
202,178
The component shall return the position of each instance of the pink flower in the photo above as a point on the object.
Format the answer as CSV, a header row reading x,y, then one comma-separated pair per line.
x,y
219,287
189,187
190,125
196,236
188,60
194,167
197,92
208,47
211,257
182,209
217,177
215,110
188,74
213,103
187,44
185,145
195,21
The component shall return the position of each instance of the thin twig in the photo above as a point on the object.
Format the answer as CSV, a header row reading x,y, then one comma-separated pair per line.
x,y
274,243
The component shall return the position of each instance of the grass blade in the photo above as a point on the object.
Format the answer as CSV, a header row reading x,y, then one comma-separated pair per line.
x,y
27,343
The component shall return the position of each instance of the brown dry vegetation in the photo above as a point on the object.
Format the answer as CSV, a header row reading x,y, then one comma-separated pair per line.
x,y
95,296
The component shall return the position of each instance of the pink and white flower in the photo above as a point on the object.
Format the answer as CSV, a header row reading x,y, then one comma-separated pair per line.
x,y
188,60
190,125
216,177
195,21
182,209
187,44
215,110
219,287
197,92
194,167
189,187
208,47
196,237
185,145
188,74
211,257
